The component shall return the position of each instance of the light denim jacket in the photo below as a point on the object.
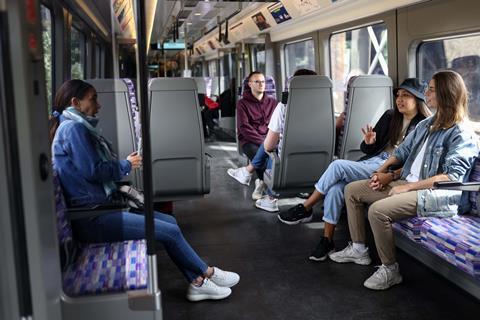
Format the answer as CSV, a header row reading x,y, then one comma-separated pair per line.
x,y
449,152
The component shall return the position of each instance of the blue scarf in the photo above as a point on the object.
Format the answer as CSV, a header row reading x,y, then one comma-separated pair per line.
x,y
102,145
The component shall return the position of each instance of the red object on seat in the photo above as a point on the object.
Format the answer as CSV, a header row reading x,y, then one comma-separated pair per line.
x,y
211,104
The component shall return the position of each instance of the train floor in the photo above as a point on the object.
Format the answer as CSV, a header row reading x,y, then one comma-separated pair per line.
x,y
277,279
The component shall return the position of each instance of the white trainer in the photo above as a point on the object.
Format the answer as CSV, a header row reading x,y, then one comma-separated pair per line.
x,y
260,188
241,175
384,277
349,254
267,203
207,291
224,278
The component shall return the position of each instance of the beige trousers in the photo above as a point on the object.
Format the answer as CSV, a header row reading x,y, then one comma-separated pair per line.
x,y
383,211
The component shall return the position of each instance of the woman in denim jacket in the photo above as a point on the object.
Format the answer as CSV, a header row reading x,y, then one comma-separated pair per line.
x,y
88,168
441,148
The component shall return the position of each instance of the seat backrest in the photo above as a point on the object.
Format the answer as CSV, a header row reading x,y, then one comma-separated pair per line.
x,y
179,164
308,137
120,118
368,97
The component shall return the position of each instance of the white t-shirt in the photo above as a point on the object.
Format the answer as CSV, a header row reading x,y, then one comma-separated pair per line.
x,y
416,165
277,123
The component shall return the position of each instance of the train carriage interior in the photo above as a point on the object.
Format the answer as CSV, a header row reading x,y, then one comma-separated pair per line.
x,y
174,80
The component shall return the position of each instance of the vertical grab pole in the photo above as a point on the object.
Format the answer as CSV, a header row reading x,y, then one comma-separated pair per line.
x,y
147,152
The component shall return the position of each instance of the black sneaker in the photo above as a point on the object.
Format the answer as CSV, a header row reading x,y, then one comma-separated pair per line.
x,y
323,249
295,215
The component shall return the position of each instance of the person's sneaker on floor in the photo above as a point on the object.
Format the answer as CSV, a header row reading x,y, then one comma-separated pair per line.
x,y
295,215
241,175
208,290
224,278
384,277
349,254
260,188
323,249
267,203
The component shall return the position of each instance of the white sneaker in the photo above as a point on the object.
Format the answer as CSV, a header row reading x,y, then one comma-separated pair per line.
x,y
384,277
241,175
260,188
208,290
224,278
266,203
349,254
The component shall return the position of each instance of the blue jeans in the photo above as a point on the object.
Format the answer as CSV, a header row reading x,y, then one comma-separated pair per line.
x,y
120,226
262,162
338,174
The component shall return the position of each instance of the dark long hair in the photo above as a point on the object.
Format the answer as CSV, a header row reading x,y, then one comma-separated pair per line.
x,y
451,94
70,89
396,123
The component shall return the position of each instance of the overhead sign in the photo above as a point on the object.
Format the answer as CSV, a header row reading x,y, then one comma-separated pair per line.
x,y
122,9
279,13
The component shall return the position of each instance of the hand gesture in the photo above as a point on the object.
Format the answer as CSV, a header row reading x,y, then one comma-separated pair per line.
x,y
369,136
379,180
135,159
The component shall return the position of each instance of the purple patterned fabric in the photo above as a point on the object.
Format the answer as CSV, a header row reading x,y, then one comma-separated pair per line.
x,y
106,268
135,111
410,228
456,240
64,229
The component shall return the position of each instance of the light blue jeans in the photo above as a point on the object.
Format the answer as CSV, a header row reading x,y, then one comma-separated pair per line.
x,y
338,174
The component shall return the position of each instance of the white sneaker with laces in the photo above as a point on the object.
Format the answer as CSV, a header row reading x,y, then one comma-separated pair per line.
x,y
241,175
384,277
267,203
208,290
349,254
260,188
224,278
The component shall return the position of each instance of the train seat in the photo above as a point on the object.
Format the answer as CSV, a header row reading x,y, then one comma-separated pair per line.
x,y
307,143
180,166
367,98
101,267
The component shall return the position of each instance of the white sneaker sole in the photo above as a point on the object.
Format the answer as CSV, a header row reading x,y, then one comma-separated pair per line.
x,y
397,281
267,208
361,261
291,223
200,297
241,182
313,258
256,197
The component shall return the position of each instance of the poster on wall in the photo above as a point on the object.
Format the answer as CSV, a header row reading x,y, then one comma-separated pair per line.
x,y
279,13
260,21
305,6
122,10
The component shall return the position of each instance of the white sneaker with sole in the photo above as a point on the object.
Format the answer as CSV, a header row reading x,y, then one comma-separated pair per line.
x,y
207,291
224,278
349,254
384,277
260,188
241,175
267,203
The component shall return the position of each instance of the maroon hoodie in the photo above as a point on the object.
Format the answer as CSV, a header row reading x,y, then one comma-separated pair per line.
x,y
253,117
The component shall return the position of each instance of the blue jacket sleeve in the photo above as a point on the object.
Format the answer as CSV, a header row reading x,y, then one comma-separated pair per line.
x,y
462,150
86,159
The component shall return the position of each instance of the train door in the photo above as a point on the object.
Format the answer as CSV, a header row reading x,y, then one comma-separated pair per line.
x,y
30,277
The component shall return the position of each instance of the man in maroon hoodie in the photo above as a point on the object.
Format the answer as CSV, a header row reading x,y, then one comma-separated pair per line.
x,y
253,115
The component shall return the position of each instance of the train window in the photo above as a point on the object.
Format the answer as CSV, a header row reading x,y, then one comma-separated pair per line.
x,y
299,55
47,37
355,52
77,54
212,68
98,60
258,57
461,54
197,68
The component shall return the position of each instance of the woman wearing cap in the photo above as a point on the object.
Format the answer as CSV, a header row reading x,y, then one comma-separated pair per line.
x,y
441,148
378,144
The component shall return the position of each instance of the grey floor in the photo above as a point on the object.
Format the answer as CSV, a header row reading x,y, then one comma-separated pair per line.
x,y
277,279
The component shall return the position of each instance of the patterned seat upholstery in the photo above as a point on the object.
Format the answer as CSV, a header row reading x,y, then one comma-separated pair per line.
x,y
98,268
456,240
410,228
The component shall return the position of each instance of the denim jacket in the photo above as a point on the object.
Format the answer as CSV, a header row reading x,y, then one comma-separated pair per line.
x,y
80,168
449,151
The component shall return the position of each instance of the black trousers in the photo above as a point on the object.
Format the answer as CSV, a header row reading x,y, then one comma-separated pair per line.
x,y
250,149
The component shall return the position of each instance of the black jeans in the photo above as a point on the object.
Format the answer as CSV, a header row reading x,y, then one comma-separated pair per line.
x,y
250,149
